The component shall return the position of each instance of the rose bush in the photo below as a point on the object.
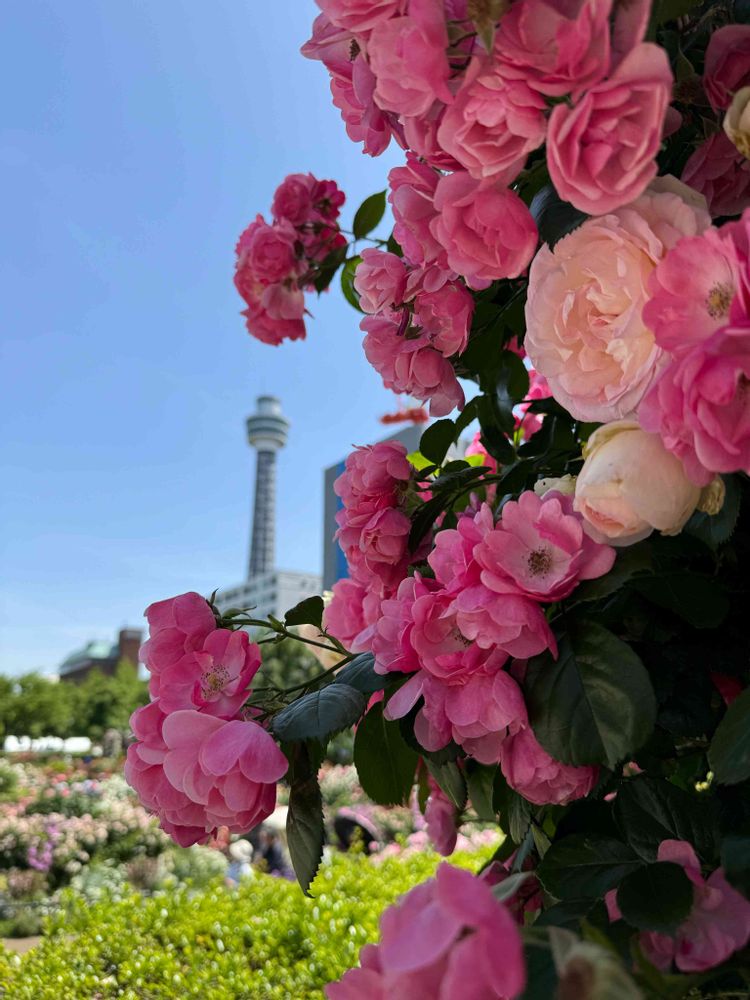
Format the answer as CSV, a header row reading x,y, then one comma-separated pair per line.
x,y
548,633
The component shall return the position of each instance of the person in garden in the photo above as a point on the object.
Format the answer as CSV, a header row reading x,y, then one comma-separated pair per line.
x,y
240,865
549,634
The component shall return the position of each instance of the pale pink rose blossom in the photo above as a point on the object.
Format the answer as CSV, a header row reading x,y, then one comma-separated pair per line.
x,y
718,923
539,778
267,251
444,314
408,57
199,773
213,678
630,485
343,616
440,816
353,94
412,194
421,137
437,640
410,364
739,235
487,232
585,332
701,406
495,121
446,938
380,281
721,173
691,291
391,640
601,153
360,16
452,557
502,617
541,547
727,66
177,626
557,47
330,45
279,321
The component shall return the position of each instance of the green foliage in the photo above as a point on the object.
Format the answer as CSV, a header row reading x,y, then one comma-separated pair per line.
x,y
320,714
729,755
368,215
656,898
360,674
307,612
384,761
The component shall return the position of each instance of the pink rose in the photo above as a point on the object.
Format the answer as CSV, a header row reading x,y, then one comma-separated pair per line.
x,y
601,153
557,47
727,65
452,557
630,485
408,57
539,778
391,640
691,291
343,616
213,678
267,251
421,136
446,938
541,547
353,94
440,815
721,173
198,773
293,199
487,232
503,618
739,235
360,16
280,319
412,193
494,123
718,923
380,281
177,626
375,474
445,313
330,45
411,365
700,406
585,332
437,640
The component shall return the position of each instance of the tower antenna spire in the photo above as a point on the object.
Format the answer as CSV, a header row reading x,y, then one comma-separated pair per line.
x,y
267,431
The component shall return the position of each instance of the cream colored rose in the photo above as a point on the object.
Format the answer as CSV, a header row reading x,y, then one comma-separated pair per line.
x,y
630,485
565,485
737,121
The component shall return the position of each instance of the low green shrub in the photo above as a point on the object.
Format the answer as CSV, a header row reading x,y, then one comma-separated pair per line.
x,y
265,941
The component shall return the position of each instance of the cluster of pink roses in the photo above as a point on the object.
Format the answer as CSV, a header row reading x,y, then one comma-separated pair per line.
x,y
277,262
197,763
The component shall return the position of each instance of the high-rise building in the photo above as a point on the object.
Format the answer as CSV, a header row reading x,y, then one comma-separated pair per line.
x,y
267,589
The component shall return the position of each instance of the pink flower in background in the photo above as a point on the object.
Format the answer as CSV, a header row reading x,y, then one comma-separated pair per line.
x,y
528,898
412,194
691,291
445,315
477,448
452,557
601,153
541,779
360,16
391,640
526,422
293,199
727,65
267,251
344,616
446,938
739,235
380,281
701,406
374,475
440,815
487,232
495,121
177,626
213,678
540,546
585,332
721,173
411,365
717,926
502,617
282,321
556,47
353,94
197,772
408,57
330,45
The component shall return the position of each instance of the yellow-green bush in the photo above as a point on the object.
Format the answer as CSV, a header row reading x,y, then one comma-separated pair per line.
x,y
265,941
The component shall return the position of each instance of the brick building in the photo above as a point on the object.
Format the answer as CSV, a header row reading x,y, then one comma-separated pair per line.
x,y
102,656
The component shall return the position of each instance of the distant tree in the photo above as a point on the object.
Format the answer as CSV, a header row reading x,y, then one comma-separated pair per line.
x,y
286,665
108,702
40,707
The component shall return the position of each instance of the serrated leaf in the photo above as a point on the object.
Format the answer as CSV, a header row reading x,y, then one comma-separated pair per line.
x,y
480,781
450,779
729,753
658,897
437,439
593,705
307,612
581,867
347,282
360,674
507,889
319,714
514,812
305,830
715,529
368,215
384,761
554,217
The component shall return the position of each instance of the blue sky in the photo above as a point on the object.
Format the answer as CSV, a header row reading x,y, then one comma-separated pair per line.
x,y
140,139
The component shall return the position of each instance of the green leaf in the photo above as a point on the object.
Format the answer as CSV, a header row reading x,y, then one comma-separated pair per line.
x,y
697,599
466,416
581,867
307,612
320,714
630,562
649,810
735,860
360,674
369,214
513,809
450,779
729,753
541,972
595,703
347,282
715,529
671,10
554,217
437,439
305,831
384,761
658,897
328,268
513,382
393,246
480,781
